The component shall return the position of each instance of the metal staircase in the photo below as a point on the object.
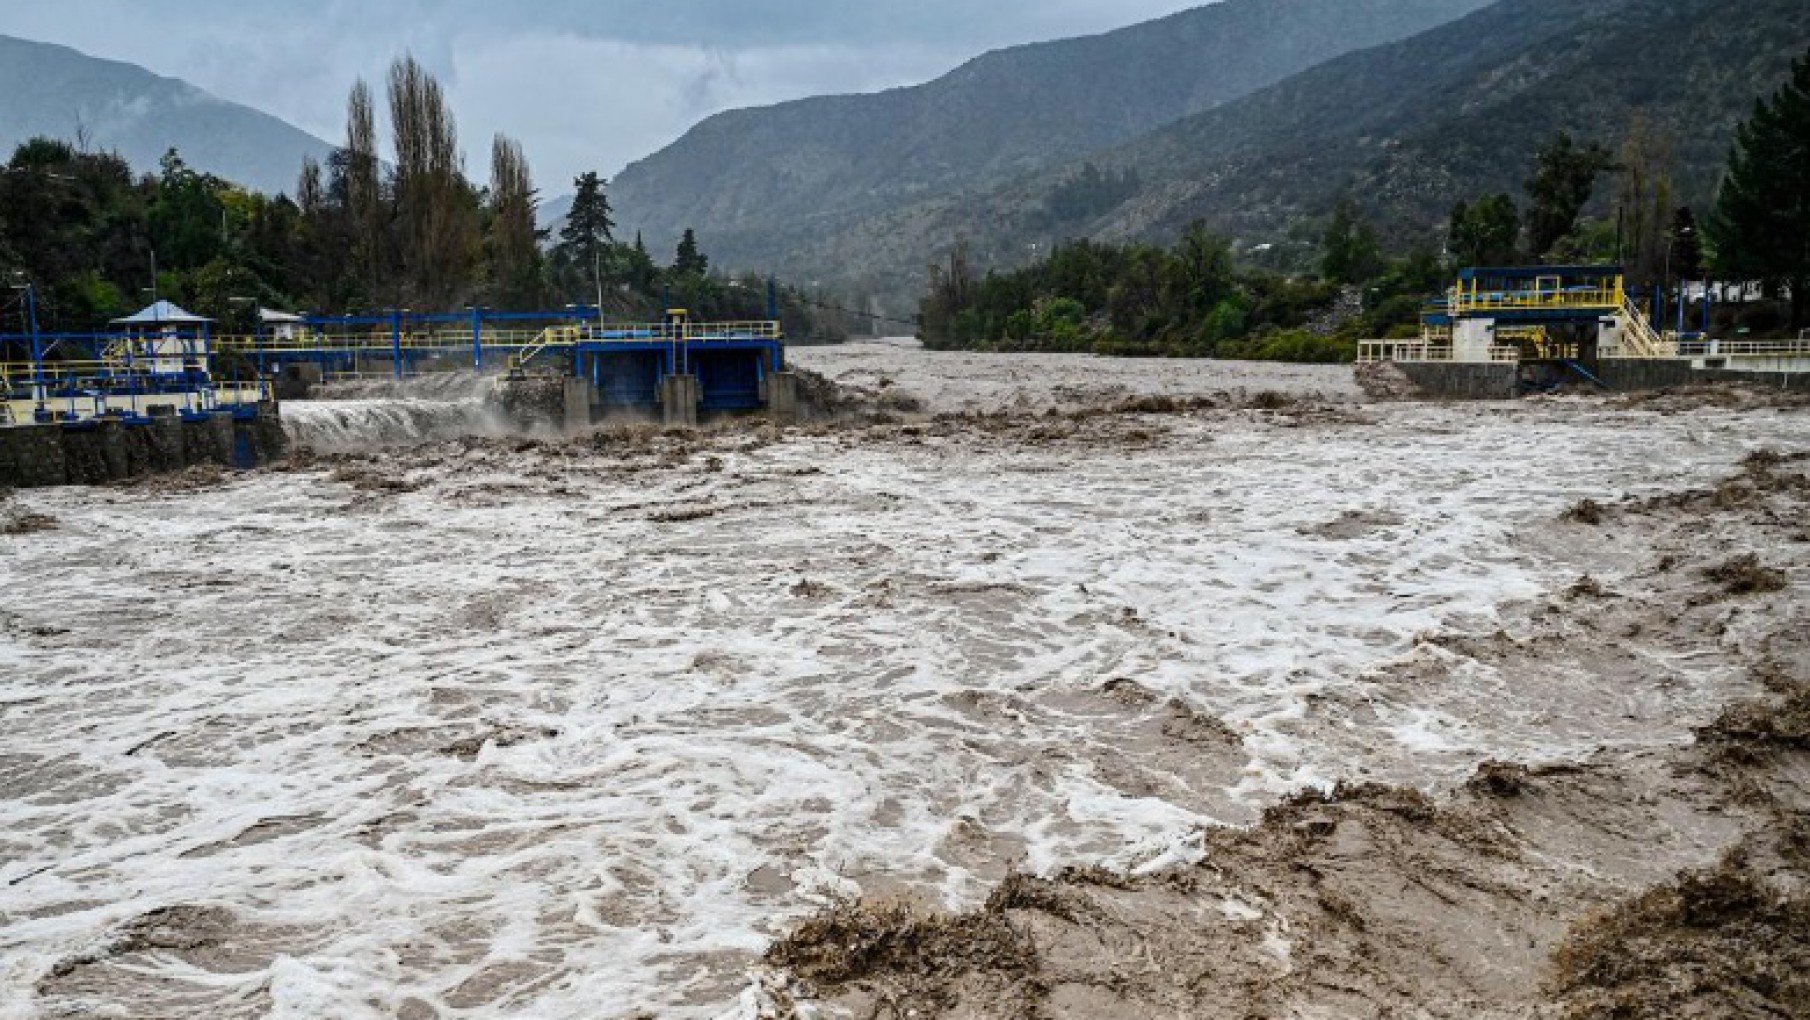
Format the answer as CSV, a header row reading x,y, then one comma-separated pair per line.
x,y
118,355
1638,337
552,336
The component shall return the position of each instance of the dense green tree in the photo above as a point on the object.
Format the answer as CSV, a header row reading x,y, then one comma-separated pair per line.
x,y
76,224
590,225
1486,234
82,228
690,260
1761,226
1564,178
188,218
437,211
512,254
1350,249
1193,299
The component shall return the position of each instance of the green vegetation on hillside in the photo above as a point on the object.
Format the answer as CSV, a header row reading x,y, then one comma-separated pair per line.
x,y
1407,130
1194,300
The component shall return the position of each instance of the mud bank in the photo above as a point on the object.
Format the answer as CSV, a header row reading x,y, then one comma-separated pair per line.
x,y
1634,882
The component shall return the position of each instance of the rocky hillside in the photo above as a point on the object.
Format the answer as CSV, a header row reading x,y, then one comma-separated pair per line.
x,y
1409,128
1412,127
58,92
745,177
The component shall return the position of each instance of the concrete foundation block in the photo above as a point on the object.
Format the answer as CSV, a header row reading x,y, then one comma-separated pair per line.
x,y
32,456
1447,380
112,437
679,399
782,397
580,395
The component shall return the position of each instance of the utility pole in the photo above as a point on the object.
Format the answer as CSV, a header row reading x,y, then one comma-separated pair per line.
x,y
597,275
21,282
37,342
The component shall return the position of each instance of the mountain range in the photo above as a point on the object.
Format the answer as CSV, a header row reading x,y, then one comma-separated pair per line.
x,y
1252,116
107,105
1412,108
756,181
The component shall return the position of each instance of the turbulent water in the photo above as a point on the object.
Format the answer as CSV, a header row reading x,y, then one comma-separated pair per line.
x,y
573,734
350,416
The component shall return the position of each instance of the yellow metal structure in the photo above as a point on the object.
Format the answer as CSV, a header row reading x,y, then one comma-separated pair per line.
x,y
1549,293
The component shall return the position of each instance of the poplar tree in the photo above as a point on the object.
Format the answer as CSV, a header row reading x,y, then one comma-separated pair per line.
x,y
435,206
512,243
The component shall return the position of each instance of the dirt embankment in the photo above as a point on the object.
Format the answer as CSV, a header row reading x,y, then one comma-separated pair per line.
x,y
1669,882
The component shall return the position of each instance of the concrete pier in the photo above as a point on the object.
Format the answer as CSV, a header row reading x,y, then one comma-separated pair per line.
x,y
781,397
679,399
580,395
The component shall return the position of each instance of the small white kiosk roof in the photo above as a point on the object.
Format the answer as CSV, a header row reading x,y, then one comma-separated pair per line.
x,y
163,313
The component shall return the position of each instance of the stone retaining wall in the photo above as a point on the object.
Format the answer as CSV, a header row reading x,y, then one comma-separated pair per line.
x,y
110,450
1452,380
1446,380
1660,375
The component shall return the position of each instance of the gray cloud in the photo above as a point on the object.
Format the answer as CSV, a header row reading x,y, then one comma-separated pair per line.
x,y
585,84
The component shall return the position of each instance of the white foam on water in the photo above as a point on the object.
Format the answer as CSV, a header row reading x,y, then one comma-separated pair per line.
x,y
345,426
544,755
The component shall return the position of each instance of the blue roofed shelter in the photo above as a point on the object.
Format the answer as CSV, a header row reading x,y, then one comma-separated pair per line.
x,y
173,339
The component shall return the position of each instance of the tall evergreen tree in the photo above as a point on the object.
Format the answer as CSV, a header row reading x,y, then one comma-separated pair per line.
x,y
1761,226
690,260
589,226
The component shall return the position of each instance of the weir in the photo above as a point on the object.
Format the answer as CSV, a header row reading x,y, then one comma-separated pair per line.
x,y
167,365
611,368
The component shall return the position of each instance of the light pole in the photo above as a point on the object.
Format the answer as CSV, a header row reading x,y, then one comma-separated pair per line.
x,y
23,282
1671,243
597,276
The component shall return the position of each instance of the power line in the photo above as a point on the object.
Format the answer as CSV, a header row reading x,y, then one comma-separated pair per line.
x,y
913,322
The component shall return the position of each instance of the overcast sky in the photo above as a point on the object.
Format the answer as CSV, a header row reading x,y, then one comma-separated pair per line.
x,y
585,84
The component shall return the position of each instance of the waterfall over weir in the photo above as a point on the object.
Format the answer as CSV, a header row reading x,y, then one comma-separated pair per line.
x,y
369,414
